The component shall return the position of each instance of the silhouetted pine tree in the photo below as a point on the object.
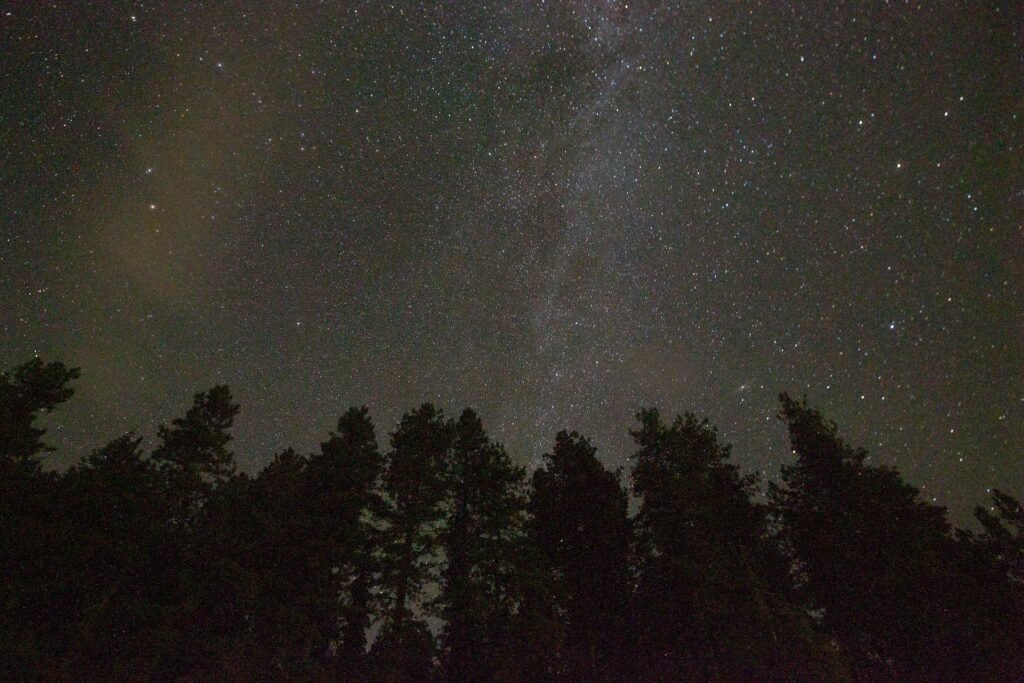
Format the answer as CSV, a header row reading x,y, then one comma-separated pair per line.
x,y
1003,534
350,509
197,572
33,590
116,513
580,524
415,489
713,598
483,541
276,535
31,389
874,560
535,646
404,652
193,454
993,593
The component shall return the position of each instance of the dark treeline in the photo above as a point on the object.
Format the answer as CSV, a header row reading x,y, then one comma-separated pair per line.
x,y
434,557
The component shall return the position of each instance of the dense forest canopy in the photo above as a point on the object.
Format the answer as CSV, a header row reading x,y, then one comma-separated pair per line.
x,y
432,556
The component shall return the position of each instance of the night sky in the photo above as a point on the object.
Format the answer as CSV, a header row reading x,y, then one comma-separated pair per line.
x,y
553,212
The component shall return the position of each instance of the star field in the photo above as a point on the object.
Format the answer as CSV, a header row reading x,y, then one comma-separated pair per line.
x,y
553,212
